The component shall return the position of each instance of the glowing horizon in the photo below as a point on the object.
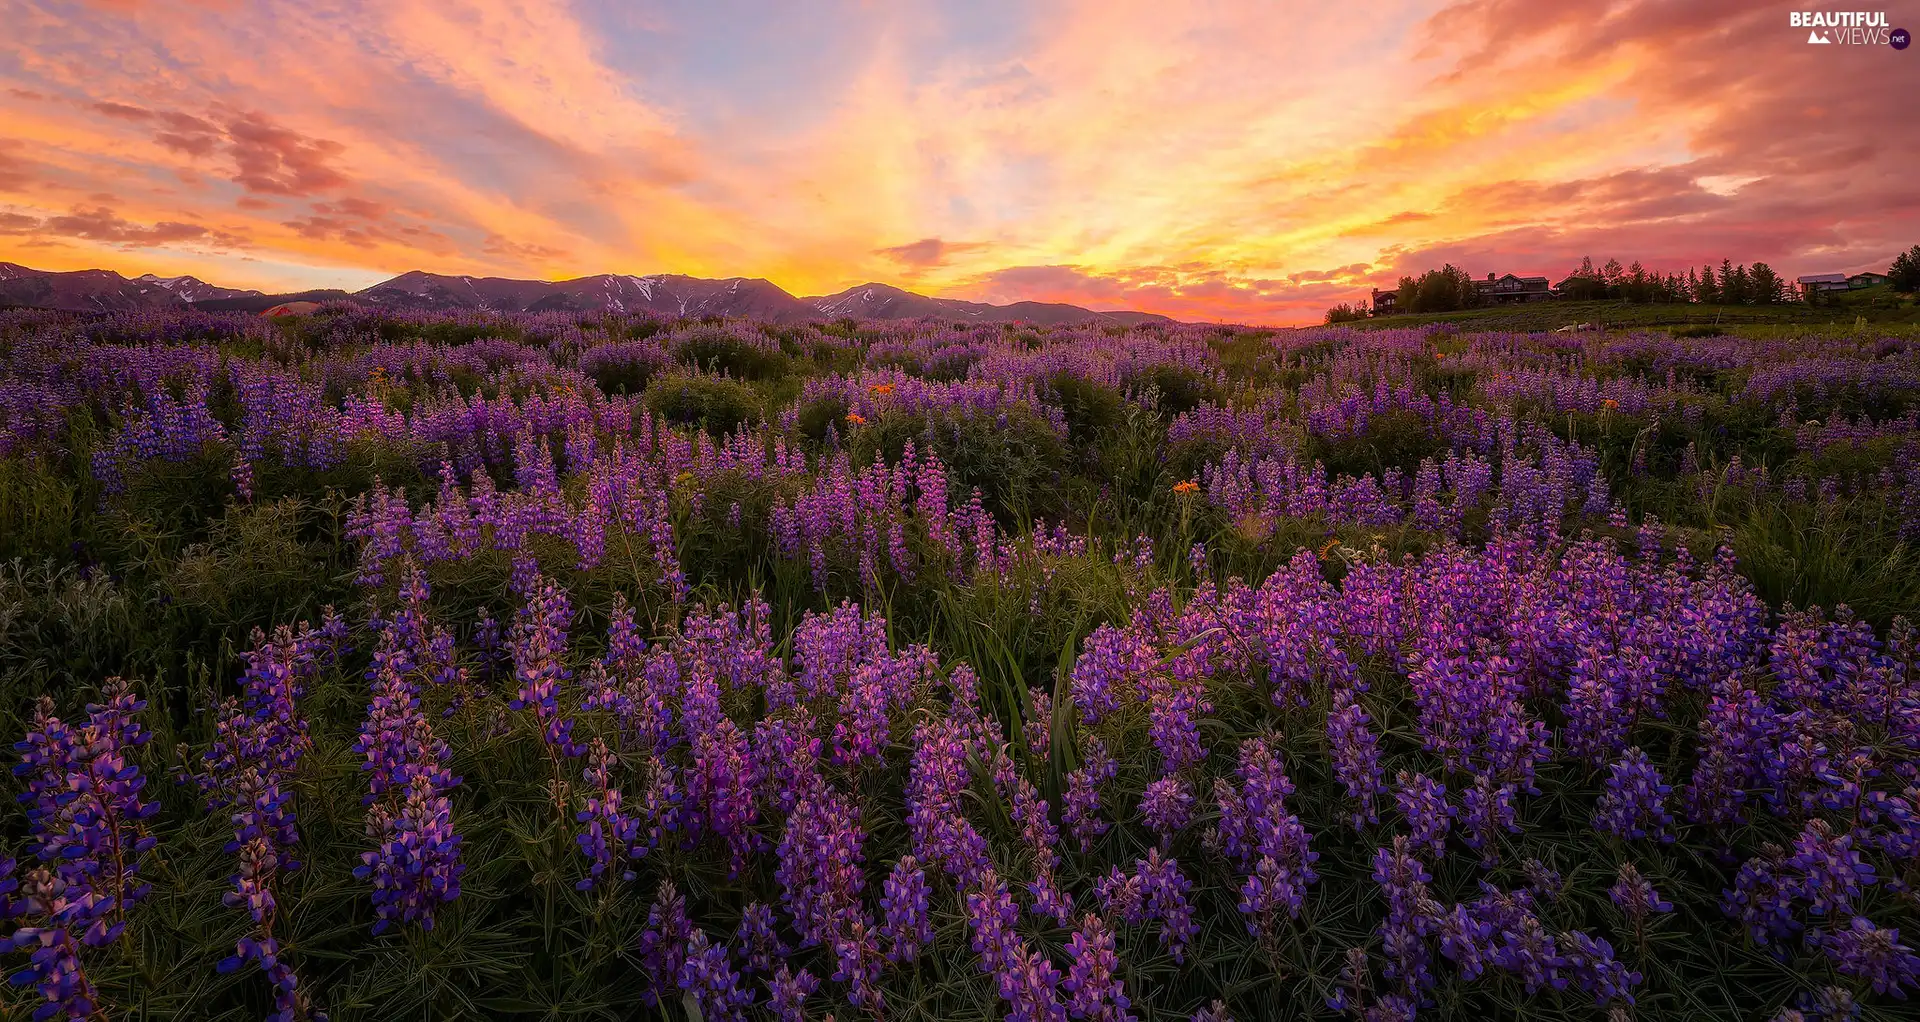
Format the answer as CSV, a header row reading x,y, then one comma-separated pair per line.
x,y
1235,162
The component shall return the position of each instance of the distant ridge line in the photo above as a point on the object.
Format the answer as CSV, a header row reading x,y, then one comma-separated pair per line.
x,y
665,295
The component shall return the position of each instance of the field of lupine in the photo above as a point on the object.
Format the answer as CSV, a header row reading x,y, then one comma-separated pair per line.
x,y
367,666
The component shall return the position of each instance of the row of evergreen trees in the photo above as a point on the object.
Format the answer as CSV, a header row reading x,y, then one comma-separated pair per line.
x,y
1729,285
1451,288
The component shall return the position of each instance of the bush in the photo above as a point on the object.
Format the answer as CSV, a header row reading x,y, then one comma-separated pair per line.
x,y
821,414
1090,407
1013,457
622,367
721,351
1180,389
714,403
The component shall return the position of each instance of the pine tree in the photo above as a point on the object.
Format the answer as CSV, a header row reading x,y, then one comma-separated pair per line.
x,y
1693,286
1738,288
1764,285
1904,274
1638,289
1406,295
1707,292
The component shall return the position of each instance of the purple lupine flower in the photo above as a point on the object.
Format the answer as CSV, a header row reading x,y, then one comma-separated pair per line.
x,y
661,802
415,865
907,926
1827,1004
1423,801
1159,891
788,991
611,837
1038,729
991,914
1030,986
786,754
54,968
721,789
1635,896
1268,843
1272,888
858,963
1356,756
1831,873
708,978
1110,660
1488,811
1026,980
1041,838
1762,899
820,867
938,774
1083,802
1543,881
1215,1012
1874,954
1094,991
1173,726
1412,913
663,943
1591,966
539,647
259,862
84,814
1633,805
1525,948
1167,806
760,945
1466,940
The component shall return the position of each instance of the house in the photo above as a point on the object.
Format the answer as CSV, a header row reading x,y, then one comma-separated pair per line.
x,y
1510,288
1823,282
1867,279
1383,301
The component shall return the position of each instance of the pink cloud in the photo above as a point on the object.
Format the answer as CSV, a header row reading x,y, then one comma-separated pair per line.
x,y
928,252
103,225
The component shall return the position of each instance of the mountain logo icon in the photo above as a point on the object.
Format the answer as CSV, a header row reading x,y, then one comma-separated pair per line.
x,y
1819,38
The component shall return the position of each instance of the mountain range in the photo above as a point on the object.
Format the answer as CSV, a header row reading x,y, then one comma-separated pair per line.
x,y
667,295
105,290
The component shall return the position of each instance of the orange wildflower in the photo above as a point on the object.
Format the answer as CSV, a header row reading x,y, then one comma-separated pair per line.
x,y
1186,486
1610,404
882,389
1325,550
855,418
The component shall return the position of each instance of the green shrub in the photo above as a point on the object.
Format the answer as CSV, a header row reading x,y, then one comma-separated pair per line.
x,y
1397,438
720,351
714,403
1015,458
819,415
1090,407
1179,389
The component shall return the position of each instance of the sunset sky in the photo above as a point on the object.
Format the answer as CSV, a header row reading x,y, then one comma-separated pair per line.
x,y
1251,161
